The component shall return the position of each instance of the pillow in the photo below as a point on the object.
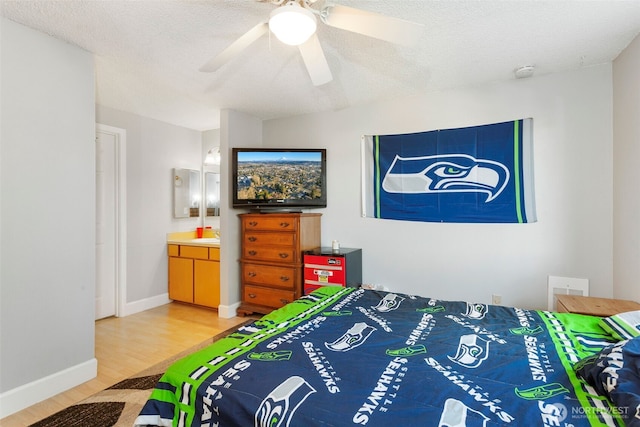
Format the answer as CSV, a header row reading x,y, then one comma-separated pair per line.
x,y
614,372
622,326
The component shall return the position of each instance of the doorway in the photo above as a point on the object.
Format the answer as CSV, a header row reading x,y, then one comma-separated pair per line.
x,y
110,221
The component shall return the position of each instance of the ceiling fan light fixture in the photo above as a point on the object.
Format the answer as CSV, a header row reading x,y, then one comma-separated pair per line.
x,y
292,24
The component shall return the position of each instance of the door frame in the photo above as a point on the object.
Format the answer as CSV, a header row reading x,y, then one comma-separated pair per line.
x,y
120,137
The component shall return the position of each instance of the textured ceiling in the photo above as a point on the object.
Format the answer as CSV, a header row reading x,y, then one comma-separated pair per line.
x,y
147,53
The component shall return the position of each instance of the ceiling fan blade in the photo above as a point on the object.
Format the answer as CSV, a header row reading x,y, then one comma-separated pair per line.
x,y
236,47
315,61
372,24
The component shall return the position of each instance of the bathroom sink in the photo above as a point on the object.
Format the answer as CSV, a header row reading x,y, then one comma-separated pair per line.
x,y
207,240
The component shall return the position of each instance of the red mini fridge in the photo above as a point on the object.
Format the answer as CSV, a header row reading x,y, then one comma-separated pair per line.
x,y
326,267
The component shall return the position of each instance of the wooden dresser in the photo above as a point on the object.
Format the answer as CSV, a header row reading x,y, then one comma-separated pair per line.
x,y
271,262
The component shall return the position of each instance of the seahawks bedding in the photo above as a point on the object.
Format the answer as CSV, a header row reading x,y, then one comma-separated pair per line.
x,y
348,356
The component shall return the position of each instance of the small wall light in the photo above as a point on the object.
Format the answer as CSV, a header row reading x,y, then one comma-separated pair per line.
x,y
213,156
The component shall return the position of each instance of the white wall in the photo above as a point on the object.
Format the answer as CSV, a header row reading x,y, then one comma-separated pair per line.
x,y
154,148
572,115
236,130
210,139
626,175
47,217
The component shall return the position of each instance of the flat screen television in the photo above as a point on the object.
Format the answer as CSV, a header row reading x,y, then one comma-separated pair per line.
x,y
283,179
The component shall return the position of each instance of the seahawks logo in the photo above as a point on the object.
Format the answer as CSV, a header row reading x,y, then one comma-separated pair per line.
x,y
407,351
271,356
472,351
277,409
542,392
476,310
389,303
526,330
456,414
354,337
448,173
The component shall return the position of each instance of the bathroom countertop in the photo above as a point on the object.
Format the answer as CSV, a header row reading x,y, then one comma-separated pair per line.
x,y
189,238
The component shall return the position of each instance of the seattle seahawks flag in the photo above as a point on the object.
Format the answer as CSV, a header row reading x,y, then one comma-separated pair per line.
x,y
480,174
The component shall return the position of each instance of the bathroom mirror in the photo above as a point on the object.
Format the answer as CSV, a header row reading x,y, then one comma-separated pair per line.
x,y
212,193
186,193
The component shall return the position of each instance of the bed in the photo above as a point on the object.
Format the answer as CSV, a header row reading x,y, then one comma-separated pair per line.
x,y
349,356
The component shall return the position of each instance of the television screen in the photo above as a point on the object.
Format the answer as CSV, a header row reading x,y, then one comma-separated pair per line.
x,y
265,178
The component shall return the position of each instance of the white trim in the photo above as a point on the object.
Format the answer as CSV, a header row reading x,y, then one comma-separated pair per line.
x,y
145,304
363,176
228,311
31,393
120,136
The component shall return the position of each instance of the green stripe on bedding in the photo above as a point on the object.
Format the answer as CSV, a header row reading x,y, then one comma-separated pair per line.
x,y
571,334
622,326
228,349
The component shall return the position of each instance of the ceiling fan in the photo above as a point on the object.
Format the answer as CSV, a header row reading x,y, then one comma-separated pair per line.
x,y
294,22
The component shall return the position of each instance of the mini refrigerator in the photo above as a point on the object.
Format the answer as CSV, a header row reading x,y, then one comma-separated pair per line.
x,y
328,267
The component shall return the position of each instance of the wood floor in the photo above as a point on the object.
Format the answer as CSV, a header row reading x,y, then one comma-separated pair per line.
x,y
127,345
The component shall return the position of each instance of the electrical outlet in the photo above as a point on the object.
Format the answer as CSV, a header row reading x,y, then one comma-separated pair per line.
x,y
496,299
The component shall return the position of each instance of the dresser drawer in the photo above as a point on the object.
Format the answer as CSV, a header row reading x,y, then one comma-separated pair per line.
x,y
269,222
280,254
273,238
269,297
269,275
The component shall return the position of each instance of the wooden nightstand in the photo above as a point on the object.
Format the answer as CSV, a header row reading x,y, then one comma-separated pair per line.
x,y
603,307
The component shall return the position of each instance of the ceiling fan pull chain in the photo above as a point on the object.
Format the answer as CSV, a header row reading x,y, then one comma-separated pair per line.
x,y
324,13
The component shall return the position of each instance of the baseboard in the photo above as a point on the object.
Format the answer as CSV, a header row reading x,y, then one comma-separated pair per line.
x,y
29,394
144,304
224,311
228,311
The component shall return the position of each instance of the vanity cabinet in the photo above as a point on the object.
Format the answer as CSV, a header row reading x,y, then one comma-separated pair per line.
x,y
271,263
194,274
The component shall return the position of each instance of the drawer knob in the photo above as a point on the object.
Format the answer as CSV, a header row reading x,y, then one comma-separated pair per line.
x,y
252,295
252,274
253,253
284,224
253,223
284,301
284,278
252,238
284,255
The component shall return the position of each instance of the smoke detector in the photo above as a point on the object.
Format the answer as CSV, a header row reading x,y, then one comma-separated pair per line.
x,y
524,71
